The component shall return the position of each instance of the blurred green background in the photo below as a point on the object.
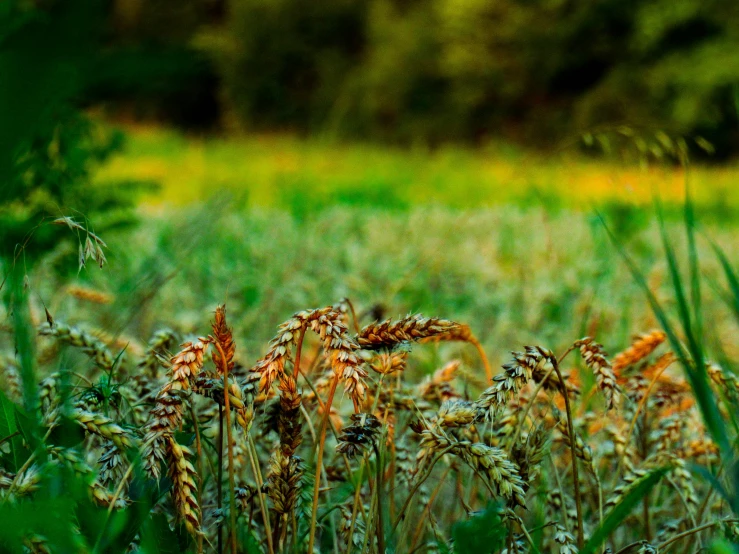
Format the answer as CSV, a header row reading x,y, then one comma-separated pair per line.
x,y
217,142
423,71
297,104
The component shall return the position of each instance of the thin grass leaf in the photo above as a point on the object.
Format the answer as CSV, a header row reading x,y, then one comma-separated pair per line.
x,y
698,380
677,285
616,516
695,285
713,480
8,426
731,279
484,532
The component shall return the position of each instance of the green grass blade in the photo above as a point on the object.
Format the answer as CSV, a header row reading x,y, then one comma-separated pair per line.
x,y
731,279
695,284
699,383
677,285
484,532
616,516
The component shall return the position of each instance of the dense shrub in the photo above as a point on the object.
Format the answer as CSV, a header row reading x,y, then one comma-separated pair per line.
x,y
440,69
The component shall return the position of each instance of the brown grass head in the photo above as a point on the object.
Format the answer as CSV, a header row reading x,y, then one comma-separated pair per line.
x,y
412,328
641,347
90,295
223,336
184,488
596,359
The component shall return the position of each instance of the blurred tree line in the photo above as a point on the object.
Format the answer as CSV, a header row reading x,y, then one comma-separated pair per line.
x,y
438,70
404,71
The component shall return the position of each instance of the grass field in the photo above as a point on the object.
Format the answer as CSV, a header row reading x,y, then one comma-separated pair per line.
x,y
300,175
340,433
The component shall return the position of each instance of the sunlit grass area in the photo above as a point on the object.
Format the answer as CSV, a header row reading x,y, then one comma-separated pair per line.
x,y
289,172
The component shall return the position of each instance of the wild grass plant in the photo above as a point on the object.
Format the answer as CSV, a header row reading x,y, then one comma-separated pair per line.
x,y
303,175
355,432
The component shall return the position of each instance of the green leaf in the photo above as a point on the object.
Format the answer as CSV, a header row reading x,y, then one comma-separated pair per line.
x,y
698,377
481,533
731,278
695,287
27,427
157,537
713,480
8,426
722,546
7,417
67,433
616,516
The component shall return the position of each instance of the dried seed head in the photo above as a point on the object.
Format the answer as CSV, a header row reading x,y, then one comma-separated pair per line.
x,y
289,422
89,295
582,450
184,488
389,334
103,497
362,432
166,415
152,359
83,340
595,357
187,363
493,464
111,466
456,413
104,427
386,363
641,347
339,349
565,540
285,474
528,455
514,377
164,418
458,332
223,337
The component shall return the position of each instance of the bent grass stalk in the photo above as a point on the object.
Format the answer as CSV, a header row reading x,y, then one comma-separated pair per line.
x,y
319,461
252,454
575,477
637,412
231,480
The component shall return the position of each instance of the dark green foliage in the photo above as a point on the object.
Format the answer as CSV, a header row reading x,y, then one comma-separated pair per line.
x,y
621,511
438,70
285,61
484,532
48,147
